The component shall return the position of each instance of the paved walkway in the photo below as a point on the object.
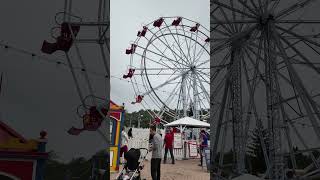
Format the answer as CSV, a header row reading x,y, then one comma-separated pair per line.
x,y
182,170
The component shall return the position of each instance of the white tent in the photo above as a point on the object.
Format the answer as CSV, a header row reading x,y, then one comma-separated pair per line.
x,y
188,122
247,177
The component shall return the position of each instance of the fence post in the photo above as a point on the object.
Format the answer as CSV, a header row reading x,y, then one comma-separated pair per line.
x,y
185,150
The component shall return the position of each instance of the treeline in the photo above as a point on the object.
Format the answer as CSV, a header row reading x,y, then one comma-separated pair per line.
x,y
78,168
132,119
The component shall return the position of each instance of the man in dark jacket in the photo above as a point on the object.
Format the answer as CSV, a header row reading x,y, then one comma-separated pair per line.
x,y
156,149
168,143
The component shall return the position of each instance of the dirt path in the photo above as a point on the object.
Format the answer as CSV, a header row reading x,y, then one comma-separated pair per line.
x,y
182,170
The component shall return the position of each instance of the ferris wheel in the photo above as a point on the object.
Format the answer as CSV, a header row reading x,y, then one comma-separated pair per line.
x,y
265,69
169,68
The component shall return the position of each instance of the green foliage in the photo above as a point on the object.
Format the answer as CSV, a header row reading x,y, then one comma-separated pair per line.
x,y
146,118
256,158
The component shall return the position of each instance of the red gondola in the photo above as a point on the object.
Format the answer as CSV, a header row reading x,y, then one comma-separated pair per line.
x,y
195,28
176,22
158,22
143,32
132,49
130,74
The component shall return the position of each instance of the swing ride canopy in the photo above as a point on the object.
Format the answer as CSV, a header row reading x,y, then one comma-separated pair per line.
x,y
188,122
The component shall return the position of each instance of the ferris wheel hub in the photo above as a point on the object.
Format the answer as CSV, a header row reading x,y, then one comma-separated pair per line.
x,y
266,19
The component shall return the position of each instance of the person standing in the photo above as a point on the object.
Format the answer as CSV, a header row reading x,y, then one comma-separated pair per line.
x,y
203,143
156,149
168,143
130,133
124,144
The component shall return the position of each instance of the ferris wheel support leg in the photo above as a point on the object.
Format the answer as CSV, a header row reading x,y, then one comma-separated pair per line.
x,y
224,138
216,138
236,99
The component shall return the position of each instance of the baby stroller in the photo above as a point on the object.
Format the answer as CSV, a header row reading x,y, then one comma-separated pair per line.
x,y
134,164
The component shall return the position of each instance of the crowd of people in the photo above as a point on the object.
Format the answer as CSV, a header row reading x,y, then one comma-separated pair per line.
x,y
157,144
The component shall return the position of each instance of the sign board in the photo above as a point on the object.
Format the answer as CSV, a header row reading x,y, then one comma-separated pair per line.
x,y
177,141
193,150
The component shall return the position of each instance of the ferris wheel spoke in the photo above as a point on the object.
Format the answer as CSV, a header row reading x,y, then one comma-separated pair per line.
x,y
195,50
165,83
232,9
289,83
219,31
203,88
293,8
200,53
241,28
179,50
228,31
255,6
170,98
157,62
171,34
232,26
275,5
310,64
298,21
244,4
177,41
167,45
204,74
162,52
305,97
162,56
286,79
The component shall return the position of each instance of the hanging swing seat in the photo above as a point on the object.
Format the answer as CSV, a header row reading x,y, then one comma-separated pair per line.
x,y
64,41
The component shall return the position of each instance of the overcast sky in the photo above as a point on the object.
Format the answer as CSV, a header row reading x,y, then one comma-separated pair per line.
x,y
39,95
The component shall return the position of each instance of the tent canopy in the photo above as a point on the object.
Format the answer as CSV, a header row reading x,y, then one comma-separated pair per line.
x,y
247,177
188,122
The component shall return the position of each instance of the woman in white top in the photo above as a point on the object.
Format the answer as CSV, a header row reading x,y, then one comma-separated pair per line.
x,y
124,144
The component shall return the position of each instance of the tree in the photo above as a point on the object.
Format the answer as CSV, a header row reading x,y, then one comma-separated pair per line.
x,y
79,168
255,151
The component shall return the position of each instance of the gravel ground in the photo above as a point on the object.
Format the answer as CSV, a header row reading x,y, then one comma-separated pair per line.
x,y
182,170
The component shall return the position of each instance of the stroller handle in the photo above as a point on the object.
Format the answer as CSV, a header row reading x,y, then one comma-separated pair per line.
x,y
143,149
